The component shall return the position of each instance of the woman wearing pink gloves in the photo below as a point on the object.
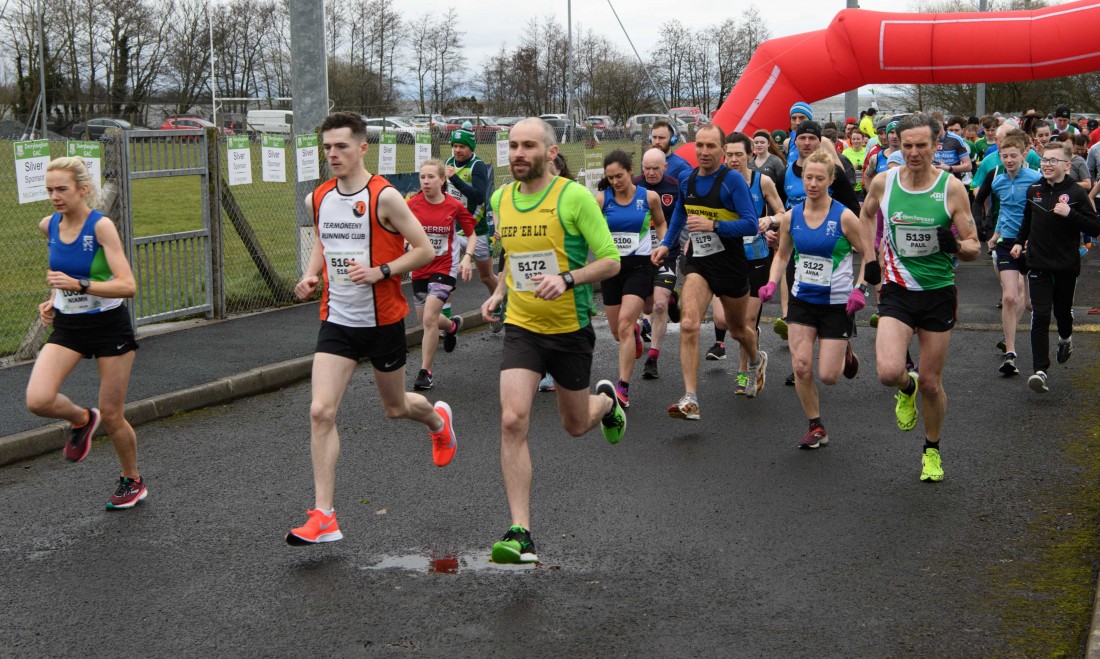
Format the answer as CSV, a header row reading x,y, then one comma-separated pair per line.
x,y
827,290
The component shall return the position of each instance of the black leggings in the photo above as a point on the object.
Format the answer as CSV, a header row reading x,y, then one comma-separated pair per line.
x,y
1049,290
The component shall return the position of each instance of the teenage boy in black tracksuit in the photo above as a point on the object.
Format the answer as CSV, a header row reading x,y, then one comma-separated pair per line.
x,y
1057,212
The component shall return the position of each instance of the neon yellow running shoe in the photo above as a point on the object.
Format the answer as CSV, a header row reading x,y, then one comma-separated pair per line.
x,y
931,466
906,408
780,327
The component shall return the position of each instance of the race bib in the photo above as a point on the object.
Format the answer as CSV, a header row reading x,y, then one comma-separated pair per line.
x,y
859,175
706,243
916,241
626,243
439,243
815,270
750,239
338,261
76,302
527,265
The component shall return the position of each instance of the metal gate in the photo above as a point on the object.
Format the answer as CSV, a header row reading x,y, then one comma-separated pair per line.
x,y
174,271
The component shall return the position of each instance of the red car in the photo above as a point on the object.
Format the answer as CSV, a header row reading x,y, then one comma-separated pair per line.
x,y
190,123
485,128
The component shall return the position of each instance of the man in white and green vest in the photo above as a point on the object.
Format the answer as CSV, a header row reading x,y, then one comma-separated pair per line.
x,y
471,181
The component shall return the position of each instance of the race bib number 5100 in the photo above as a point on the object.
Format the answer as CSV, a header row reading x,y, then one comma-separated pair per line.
x,y
525,266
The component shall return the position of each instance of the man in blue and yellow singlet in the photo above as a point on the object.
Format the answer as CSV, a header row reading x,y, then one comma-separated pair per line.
x,y
920,204
547,226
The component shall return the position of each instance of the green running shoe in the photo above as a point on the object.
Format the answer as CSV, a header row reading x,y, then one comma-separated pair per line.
x,y
873,320
613,423
742,382
780,327
931,467
515,547
906,408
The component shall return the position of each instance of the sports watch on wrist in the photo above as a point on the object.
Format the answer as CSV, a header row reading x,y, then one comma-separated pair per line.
x,y
567,277
385,268
84,284
862,289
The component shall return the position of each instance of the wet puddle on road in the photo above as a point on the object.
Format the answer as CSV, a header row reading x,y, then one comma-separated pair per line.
x,y
446,563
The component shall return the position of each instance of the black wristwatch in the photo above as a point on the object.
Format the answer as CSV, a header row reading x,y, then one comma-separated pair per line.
x,y
84,284
385,268
862,289
567,277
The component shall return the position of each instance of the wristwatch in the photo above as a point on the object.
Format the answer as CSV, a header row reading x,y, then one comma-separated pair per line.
x,y
385,268
716,226
567,277
84,284
862,289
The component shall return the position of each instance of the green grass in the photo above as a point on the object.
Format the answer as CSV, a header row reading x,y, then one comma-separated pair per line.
x,y
1045,595
168,205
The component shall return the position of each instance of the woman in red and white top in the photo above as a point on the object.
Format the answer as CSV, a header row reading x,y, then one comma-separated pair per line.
x,y
433,284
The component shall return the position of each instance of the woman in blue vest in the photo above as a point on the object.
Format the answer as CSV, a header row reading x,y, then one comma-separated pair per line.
x,y
630,211
820,233
89,278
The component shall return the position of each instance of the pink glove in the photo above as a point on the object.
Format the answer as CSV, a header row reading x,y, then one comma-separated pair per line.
x,y
856,301
767,291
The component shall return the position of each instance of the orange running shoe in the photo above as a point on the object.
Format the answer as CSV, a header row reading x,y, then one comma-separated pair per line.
x,y
318,528
444,442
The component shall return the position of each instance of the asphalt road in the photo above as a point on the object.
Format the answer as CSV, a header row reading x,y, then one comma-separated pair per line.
x,y
686,539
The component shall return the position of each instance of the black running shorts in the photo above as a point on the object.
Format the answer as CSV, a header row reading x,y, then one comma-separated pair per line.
x,y
635,278
830,320
566,356
384,346
104,334
934,311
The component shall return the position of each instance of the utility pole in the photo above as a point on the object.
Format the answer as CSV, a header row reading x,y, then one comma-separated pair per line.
x,y
851,98
569,73
42,67
309,70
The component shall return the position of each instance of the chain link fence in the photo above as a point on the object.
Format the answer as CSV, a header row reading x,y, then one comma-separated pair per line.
x,y
262,247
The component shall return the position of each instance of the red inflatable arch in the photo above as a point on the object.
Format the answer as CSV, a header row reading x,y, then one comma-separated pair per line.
x,y
867,47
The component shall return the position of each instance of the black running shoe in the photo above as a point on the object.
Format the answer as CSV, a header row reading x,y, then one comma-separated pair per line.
x,y
674,307
1064,351
1008,367
423,380
450,339
716,352
789,381
650,370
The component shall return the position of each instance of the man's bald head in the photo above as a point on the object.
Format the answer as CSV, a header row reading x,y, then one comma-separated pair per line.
x,y
537,125
654,165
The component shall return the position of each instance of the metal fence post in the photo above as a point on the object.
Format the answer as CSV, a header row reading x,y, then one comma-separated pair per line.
x,y
213,211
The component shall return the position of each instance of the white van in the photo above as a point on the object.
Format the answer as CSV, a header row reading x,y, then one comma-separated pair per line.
x,y
270,121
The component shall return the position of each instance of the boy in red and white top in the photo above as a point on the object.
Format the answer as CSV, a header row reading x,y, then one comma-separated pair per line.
x,y
362,225
434,283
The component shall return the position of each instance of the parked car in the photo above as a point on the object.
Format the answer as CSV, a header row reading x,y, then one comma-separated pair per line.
x,y
685,113
508,122
637,127
485,128
271,121
560,125
406,132
604,127
428,121
96,128
190,123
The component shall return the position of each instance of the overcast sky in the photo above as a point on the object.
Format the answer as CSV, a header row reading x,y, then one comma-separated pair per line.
x,y
489,23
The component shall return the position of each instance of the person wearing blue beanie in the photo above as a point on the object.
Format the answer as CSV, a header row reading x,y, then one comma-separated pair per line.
x,y
804,109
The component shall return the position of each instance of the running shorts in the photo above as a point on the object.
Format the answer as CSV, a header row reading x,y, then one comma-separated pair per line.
x,y
567,356
384,345
830,320
481,248
727,276
934,311
759,272
436,285
635,277
104,334
1004,256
